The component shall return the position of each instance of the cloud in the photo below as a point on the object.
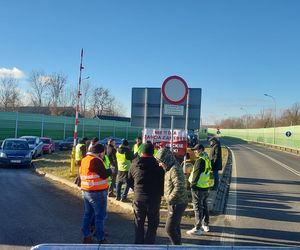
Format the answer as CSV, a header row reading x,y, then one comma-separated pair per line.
x,y
14,72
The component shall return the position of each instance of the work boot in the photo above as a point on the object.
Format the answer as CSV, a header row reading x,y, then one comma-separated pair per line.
x,y
88,240
111,195
125,200
104,241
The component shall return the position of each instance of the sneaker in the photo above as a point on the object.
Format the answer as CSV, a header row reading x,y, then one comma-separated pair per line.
x,y
205,228
195,231
118,198
124,200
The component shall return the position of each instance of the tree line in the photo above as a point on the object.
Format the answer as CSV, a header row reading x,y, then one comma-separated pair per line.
x,y
265,119
53,91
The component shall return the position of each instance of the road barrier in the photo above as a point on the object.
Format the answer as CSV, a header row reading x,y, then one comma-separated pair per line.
x,y
149,247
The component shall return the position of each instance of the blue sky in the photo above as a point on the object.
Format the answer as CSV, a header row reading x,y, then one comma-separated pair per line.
x,y
234,50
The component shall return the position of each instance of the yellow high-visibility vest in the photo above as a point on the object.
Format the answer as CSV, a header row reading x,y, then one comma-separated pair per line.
x,y
204,180
138,149
123,163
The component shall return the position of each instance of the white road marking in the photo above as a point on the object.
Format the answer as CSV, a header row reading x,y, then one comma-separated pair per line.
x,y
274,160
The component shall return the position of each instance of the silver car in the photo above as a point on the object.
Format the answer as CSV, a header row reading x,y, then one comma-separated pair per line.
x,y
35,145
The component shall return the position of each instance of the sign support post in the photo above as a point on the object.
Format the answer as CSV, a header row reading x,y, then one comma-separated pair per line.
x,y
172,132
175,91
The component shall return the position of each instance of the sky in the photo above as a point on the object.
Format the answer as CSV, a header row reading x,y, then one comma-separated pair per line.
x,y
236,51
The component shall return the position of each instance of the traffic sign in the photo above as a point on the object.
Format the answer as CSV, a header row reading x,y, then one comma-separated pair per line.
x,y
288,133
173,109
174,90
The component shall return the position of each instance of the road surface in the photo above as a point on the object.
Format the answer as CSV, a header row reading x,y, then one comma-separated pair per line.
x,y
264,203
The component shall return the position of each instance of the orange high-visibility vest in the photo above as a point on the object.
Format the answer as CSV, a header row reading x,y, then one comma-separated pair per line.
x,y
91,181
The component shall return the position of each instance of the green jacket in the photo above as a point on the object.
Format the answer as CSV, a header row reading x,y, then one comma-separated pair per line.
x,y
174,187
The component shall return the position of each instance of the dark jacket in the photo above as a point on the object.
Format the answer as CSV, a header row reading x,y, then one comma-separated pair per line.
x,y
146,178
111,153
215,156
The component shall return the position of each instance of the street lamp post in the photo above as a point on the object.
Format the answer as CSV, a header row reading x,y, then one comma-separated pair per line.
x,y
274,121
247,115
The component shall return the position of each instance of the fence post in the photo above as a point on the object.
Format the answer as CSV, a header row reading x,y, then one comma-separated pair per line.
x,y
42,129
99,130
114,130
82,127
65,128
16,128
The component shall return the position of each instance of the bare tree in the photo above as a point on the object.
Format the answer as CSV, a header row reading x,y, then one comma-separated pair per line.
x,y
102,101
56,84
39,83
9,93
291,116
86,97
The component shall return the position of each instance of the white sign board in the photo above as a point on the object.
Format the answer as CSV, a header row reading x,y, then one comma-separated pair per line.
x,y
163,137
173,109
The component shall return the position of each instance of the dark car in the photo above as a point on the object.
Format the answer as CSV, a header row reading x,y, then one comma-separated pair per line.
x,y
15,152
117,140
49,145
66,144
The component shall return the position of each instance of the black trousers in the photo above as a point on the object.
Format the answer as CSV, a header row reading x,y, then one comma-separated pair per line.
x,y
175,213
141,211
114,172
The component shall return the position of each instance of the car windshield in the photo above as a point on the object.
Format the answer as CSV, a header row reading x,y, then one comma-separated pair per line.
x,y
30,140
15,145
47,141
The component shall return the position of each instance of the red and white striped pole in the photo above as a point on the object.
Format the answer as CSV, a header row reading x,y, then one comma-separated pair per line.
x,y
77,113
78,100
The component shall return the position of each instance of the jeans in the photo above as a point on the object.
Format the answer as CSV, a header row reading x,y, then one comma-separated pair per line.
x,y
216,179
95,204
141,211
199,199
175,213
113,179
119,187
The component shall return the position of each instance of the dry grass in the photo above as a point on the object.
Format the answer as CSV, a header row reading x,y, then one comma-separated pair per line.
x,y
57,163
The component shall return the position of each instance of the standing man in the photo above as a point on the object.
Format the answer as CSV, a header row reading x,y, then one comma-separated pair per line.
x,y
80,151
138,147
215,157
94,185
174,192
124,157
146,178
111,153
200,184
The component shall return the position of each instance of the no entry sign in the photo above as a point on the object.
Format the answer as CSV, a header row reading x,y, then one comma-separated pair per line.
x,y
174,90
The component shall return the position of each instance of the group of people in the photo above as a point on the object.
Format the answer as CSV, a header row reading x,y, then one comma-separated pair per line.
x,y
151,174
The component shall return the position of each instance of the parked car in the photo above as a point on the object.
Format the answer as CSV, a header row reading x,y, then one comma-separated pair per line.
x,y
66,144
35,144
117,140
49,145
15,152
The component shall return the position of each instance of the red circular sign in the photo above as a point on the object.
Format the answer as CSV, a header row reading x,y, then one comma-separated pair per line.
x,y
174,90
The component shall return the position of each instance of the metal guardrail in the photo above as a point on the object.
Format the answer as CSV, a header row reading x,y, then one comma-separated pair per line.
x,y
149,247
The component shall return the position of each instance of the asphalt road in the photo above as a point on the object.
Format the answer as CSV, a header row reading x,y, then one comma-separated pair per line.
x,y
264,203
